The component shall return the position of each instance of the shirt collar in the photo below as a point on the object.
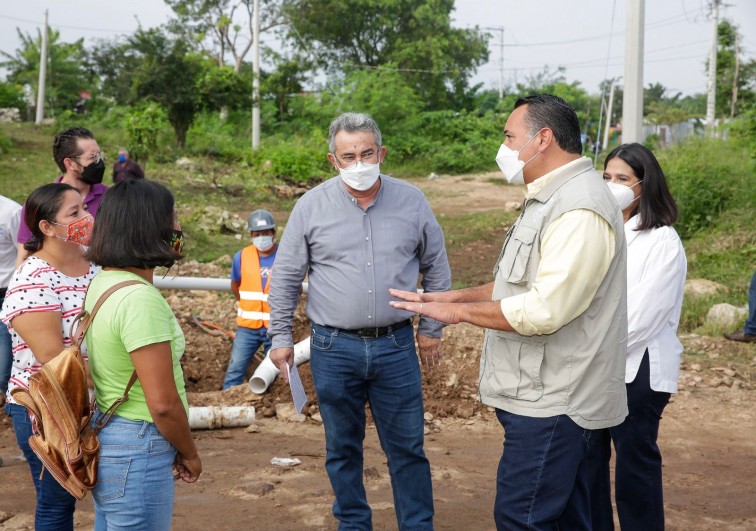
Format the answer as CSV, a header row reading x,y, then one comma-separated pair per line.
x,y
540,183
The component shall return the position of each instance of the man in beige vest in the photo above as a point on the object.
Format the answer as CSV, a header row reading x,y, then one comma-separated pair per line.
x,y
553,359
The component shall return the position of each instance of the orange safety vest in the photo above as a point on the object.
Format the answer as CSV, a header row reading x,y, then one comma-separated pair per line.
x,y
254,311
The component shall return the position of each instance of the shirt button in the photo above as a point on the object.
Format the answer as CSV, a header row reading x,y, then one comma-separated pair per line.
x,y
369,264
370,291
367,238
370,316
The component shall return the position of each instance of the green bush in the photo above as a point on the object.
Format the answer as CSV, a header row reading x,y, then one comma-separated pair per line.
x,y
300,161
704,176
12,96
743,131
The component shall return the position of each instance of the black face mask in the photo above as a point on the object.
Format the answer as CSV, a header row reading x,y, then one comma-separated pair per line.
x,y
93,173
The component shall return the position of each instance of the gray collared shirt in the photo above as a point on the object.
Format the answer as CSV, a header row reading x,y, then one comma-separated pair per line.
x,y
353,256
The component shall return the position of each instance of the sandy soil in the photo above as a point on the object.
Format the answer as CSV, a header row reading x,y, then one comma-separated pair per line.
x,y
706,436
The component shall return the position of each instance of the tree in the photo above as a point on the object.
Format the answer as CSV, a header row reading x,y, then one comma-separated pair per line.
x,y
169,75
415,36
286,80
113,63
200,21
67,75
736,78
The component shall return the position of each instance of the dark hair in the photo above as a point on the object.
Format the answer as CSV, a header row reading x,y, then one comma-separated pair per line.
x,y
546,110
657,207
43,204
133,227
66,145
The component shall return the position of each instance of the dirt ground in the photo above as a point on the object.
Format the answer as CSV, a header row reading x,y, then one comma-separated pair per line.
x,y
706,436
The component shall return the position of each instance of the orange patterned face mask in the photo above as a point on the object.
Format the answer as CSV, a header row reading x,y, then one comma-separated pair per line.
x,y
80,231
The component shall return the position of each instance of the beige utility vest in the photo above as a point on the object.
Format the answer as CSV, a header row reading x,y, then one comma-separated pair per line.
x,y
579,370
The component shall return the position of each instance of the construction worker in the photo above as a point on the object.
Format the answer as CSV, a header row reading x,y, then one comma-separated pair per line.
x,y
250,283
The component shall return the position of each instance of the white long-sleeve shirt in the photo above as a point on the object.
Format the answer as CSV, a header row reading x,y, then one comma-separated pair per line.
x,y
656,269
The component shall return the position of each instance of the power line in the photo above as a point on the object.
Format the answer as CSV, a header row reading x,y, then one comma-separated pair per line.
x,y
81,28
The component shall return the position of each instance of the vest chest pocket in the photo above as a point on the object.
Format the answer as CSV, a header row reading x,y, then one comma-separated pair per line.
x,y
513,366
516,256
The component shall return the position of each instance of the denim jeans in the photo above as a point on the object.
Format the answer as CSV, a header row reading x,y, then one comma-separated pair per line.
x,y
247,341
135,477
348,373
638,470
55,506
6,356
543,481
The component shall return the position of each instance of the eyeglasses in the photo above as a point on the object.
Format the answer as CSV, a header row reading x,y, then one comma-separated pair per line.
x,y
94,158
349,159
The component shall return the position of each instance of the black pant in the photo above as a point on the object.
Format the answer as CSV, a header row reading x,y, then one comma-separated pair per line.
x,y
638,473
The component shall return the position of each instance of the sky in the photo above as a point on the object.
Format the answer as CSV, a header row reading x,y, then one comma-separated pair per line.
x,y
587,37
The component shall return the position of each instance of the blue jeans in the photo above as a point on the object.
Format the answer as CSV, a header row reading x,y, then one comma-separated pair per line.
x,y
638,470
750,324
55,506
6,356
135,477
247,341
543,481
348,373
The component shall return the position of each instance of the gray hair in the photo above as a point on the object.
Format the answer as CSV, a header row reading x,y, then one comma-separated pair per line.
x,y
352,122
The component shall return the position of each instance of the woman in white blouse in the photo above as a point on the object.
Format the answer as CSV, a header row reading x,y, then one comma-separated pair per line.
x,y
656,268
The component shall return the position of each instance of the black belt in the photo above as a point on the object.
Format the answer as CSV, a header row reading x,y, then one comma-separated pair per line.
x,y
375,332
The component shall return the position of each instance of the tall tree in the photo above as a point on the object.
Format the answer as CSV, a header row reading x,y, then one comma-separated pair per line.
x,y
736,77
67,74
169,74
415,36
219,27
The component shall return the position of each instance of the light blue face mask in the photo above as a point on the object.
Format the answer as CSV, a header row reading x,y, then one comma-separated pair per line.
x,y
263,243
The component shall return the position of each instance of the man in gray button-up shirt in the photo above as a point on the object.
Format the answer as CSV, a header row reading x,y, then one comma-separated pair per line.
x,y
355,236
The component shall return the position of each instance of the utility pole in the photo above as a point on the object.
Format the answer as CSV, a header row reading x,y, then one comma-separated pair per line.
x,y
632,99
500,29
605,143
42,76
256,75
711,99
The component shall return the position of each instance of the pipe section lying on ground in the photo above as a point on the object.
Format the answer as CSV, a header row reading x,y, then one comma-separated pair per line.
x,y
208,418
267,371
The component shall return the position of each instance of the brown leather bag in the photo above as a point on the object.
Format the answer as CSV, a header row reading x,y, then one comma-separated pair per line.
x,y
61,413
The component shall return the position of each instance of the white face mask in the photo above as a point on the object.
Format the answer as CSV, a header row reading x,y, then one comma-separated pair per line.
x,y
360,176
510,164
263,243
622,194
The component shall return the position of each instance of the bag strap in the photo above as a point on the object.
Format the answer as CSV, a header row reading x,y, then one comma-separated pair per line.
x,y
85,320
105,418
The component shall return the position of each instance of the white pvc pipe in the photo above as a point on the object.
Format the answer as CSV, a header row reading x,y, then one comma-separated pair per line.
x,y
266,372
207,418
204,283
200,283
